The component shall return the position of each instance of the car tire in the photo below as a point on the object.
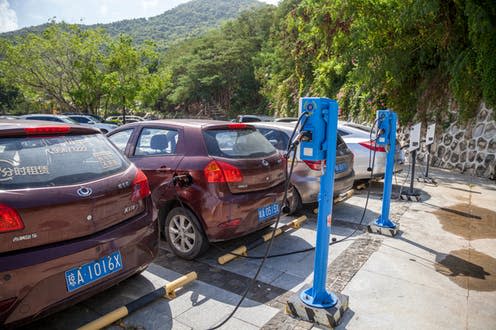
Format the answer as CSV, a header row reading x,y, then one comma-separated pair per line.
x,y
185,234
294,203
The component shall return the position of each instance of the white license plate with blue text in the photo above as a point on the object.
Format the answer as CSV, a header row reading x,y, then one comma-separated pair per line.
x,y
93,271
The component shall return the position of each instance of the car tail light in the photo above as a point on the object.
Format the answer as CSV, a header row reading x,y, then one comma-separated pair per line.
x,y
140,186
9,219
372,146
47,130
315,165
230,223
217,171
236,126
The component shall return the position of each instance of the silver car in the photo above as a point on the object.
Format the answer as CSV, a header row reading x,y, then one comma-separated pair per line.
x,y
91,122
357,137
306,174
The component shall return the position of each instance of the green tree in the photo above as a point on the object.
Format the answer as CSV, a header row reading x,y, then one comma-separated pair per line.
x,y
63,65
214,74
412,56
125,71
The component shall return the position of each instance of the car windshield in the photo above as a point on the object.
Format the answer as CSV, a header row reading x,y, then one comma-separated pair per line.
x,y
237,143
30,162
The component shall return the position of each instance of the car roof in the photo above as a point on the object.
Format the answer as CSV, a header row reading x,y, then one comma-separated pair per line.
x,y
17,126
200,123
42,114
274,124
78,115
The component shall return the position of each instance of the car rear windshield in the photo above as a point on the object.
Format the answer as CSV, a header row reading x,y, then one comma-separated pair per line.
x,y
45,161
237,143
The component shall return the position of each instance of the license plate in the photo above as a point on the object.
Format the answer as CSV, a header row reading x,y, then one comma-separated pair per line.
x,y
93,271
341,167
268,211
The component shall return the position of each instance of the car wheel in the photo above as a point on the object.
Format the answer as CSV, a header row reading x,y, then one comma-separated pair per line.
x,y
294,202
184,234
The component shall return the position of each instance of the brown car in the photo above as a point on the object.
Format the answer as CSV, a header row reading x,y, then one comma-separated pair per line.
x,y
76,217
236,178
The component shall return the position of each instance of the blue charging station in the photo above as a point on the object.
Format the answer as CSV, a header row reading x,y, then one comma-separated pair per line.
x,y
386,136
318,143
321,132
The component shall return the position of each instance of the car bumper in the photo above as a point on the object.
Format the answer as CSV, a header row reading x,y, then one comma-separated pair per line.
x,y
310,187
238,206
45,293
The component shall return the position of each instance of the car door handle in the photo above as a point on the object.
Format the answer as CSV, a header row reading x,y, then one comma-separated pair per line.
x,y
164,168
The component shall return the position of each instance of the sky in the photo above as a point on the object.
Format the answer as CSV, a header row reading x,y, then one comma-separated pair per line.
x,y
16,14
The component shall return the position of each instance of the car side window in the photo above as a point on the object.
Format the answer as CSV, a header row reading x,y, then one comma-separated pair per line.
x,y
120,139
156,141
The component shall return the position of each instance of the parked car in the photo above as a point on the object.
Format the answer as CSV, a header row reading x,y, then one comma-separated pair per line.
x,y
95,118
286,119
90,122
357,137
76,217
252,118
49,117
237,178
129,119
306,174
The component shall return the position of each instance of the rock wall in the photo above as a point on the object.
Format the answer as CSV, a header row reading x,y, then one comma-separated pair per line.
x,y
469,148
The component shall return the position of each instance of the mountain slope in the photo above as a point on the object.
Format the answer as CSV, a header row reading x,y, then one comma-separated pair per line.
x,y
186,20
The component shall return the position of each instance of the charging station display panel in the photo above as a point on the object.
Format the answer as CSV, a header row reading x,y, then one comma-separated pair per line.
x,y
415,137
429,136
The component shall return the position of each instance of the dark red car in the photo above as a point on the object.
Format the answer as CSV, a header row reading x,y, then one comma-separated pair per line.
x,y
76,217
237,178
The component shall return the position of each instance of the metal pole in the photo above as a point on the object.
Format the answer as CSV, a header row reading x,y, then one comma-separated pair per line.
x,y
428,160
414,158
317,295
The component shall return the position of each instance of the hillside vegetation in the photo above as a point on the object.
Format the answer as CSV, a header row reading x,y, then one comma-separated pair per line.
x,y
417,57
187,20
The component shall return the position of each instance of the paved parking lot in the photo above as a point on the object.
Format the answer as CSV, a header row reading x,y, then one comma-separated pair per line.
x,y
439,272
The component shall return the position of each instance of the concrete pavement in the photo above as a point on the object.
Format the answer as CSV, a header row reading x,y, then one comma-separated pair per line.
x,y
440,272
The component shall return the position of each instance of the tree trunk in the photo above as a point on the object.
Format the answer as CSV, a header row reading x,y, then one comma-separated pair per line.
x,y
123,111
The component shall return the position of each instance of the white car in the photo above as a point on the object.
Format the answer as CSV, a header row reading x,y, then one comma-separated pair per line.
x,y
91,122
129,119
357,137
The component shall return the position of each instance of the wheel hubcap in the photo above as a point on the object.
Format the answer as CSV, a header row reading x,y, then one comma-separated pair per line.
x,y
182,233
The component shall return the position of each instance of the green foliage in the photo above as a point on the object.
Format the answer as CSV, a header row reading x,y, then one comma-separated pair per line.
x,y
412,55
73,70
58,66
187,20
214,74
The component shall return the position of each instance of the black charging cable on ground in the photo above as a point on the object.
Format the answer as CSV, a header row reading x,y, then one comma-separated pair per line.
x,y
269,246
292,147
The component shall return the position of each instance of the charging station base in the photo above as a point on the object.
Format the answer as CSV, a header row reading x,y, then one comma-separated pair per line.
x,y
427,179
411,196
375,229
328,317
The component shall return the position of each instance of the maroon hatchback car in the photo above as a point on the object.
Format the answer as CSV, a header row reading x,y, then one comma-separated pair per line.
x,y
75,218
237,178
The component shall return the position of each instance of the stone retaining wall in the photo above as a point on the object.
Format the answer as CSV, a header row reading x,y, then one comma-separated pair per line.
x,y
469,148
